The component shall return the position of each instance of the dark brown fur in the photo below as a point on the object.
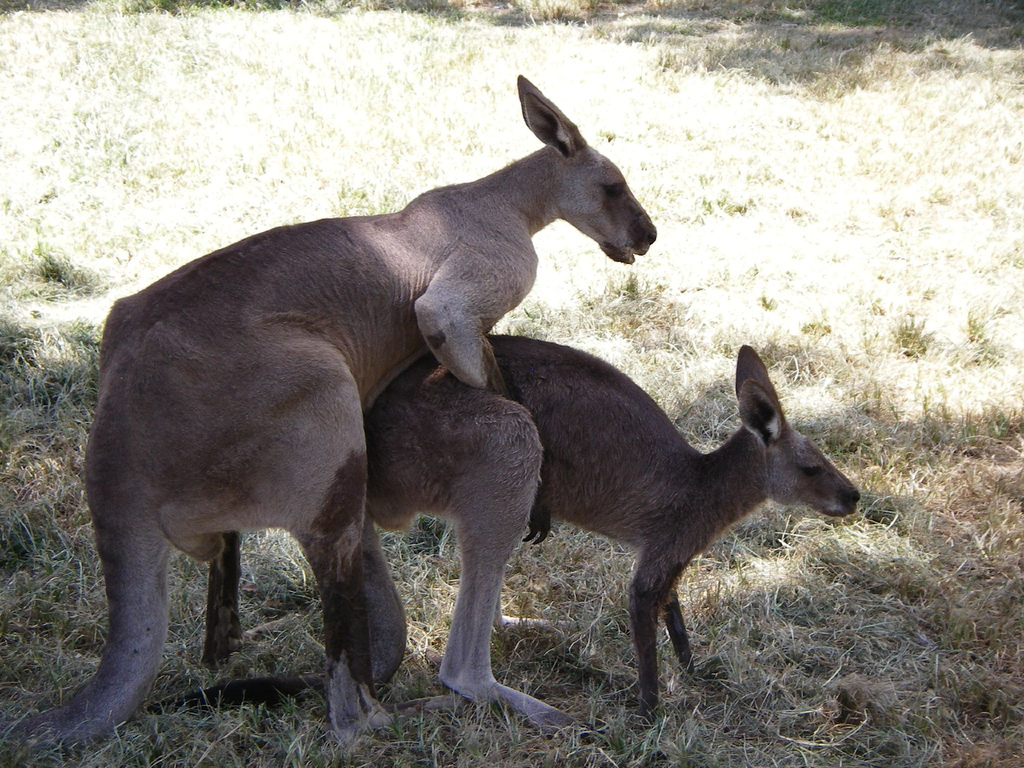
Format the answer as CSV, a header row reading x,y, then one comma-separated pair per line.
x,y
223,624
614,464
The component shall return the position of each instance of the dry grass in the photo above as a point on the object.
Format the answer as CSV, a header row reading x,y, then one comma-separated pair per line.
x,y
840,184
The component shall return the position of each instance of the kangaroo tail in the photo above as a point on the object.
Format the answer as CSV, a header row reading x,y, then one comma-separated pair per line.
x,y
135,573
270,691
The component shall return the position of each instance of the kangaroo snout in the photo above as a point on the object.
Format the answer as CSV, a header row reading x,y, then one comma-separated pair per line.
x,y
846,502
849,499
644,237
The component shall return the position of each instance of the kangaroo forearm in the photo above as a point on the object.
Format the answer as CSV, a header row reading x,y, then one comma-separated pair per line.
x,y
460,348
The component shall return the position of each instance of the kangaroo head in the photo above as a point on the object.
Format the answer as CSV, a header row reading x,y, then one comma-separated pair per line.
x,y
592,193
798,473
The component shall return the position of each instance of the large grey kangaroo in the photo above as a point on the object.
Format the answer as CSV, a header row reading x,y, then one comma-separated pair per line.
x,y
231,393
613,463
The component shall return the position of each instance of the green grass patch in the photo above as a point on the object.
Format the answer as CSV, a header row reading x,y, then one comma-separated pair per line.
x,y
855,13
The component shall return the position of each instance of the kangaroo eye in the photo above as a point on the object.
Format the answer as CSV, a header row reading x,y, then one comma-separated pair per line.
x,y
811,471
614,190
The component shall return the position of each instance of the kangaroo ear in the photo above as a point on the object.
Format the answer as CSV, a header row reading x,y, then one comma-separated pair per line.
x,y
760,412
547,121
760,409
749,366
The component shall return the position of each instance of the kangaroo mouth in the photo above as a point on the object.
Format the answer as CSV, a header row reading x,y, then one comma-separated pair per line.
x,y
621,255
839,510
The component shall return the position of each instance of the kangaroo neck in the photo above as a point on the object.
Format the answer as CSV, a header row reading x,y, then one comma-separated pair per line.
x,y
528,187
732,480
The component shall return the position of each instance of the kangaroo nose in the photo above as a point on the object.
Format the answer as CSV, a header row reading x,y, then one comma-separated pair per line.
x,y
853,496
652,234
646,235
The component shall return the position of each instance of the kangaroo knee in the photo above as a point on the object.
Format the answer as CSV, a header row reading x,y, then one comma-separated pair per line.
x,y
512,452
493,497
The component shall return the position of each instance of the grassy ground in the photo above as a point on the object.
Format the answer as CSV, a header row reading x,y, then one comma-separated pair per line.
x,y
839,183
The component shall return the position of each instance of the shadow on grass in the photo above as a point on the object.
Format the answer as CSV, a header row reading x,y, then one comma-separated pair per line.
x,y
11,6
320,7
879,606
945,17
46,375
830,47
999,23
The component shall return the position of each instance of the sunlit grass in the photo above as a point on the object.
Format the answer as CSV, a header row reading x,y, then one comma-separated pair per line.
x,y
840,184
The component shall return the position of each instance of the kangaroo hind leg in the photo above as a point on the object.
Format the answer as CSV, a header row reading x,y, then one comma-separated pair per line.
x,y
223,624
333,546
490,504
386,613
466,667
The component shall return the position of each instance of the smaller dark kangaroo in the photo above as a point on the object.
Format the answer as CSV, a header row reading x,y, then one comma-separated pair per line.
x,y
613,463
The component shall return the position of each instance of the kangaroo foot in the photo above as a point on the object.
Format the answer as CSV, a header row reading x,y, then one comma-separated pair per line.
x,y
445,703
537,713
345,732
519,622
